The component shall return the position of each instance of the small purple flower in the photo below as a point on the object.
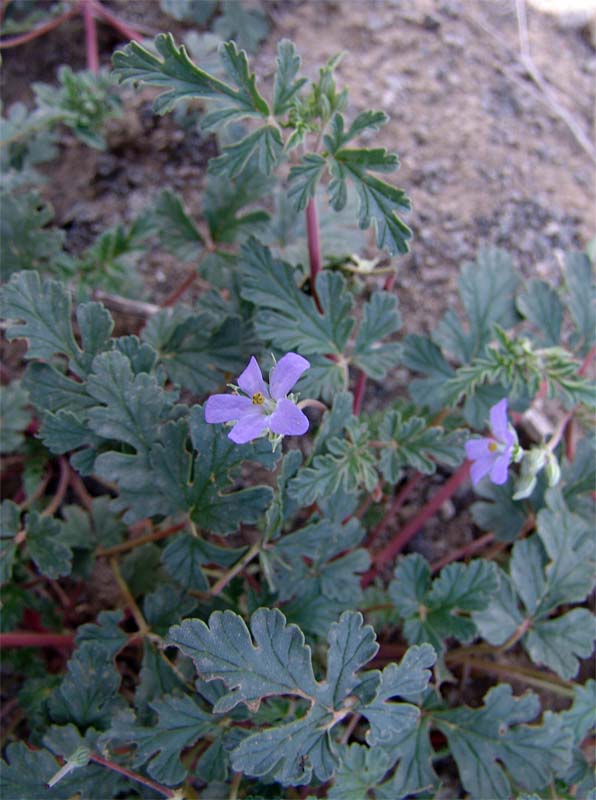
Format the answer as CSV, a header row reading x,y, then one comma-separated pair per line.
x,y
262,408
493,455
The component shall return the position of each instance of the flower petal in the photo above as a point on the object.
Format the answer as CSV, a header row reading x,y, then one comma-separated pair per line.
x,y
500,469
251,380
478,448
481,468
249,427
226,407
499,424
288,419
285,374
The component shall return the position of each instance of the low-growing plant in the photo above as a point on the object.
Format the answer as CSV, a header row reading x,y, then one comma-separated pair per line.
x,y
265,635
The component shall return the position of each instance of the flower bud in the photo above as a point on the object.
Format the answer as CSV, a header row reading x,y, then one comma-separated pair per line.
x,y
552,470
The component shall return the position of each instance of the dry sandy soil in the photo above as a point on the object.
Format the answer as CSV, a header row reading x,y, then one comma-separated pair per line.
x,y
486,156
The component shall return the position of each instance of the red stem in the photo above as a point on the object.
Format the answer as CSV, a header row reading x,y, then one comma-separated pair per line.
x,y
314,247
390,282
398,501
587,361
90,37
413,526
359,392
134,776
174,296
462,552
116,22
23,38
24,639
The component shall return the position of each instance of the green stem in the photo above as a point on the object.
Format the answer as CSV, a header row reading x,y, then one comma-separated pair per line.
x,y
238,567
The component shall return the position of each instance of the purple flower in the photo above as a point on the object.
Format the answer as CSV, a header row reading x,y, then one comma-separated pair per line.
x,y
493,455
262,408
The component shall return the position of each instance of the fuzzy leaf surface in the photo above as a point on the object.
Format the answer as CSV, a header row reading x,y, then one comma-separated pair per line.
x,y
173,69
279,663
286,315
435,610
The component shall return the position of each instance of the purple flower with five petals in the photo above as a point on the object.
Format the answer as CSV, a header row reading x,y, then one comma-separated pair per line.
x,y
494,454
262,408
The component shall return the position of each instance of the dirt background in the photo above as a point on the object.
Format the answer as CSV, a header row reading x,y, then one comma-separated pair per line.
x,y
486,157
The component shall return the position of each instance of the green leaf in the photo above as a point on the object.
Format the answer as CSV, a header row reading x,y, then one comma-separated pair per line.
x,y
414,772
580,719
408,679
286,86
262,148
579,279
181,78
481,738
247,26
44,311
540,304
27,773
197,11
288,317
328,573
435,611
180,723
380,319
177,232
420,354
366,120
197,353
9,526
218,458
185,555
14,416
348,464
106,634
499,512
379,201
279,663
130,409
410,442
559,643
86,101
361,769
487,291
304,179
88,694
225,199
51,556
25,241
501,618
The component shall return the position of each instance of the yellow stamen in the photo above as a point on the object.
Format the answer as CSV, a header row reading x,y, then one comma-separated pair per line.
x,y
492,445
258,399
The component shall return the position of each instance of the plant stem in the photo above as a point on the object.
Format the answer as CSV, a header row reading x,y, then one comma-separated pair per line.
x,y
134,776
234,786
529,676
314,247
359,392
193,274
463,552
132,543
116,22
394,506
413,526
26,639
23,38
238,567
60,493
128,598
90,37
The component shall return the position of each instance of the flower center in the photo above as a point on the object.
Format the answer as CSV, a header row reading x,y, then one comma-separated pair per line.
x,y
258,399
493,446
